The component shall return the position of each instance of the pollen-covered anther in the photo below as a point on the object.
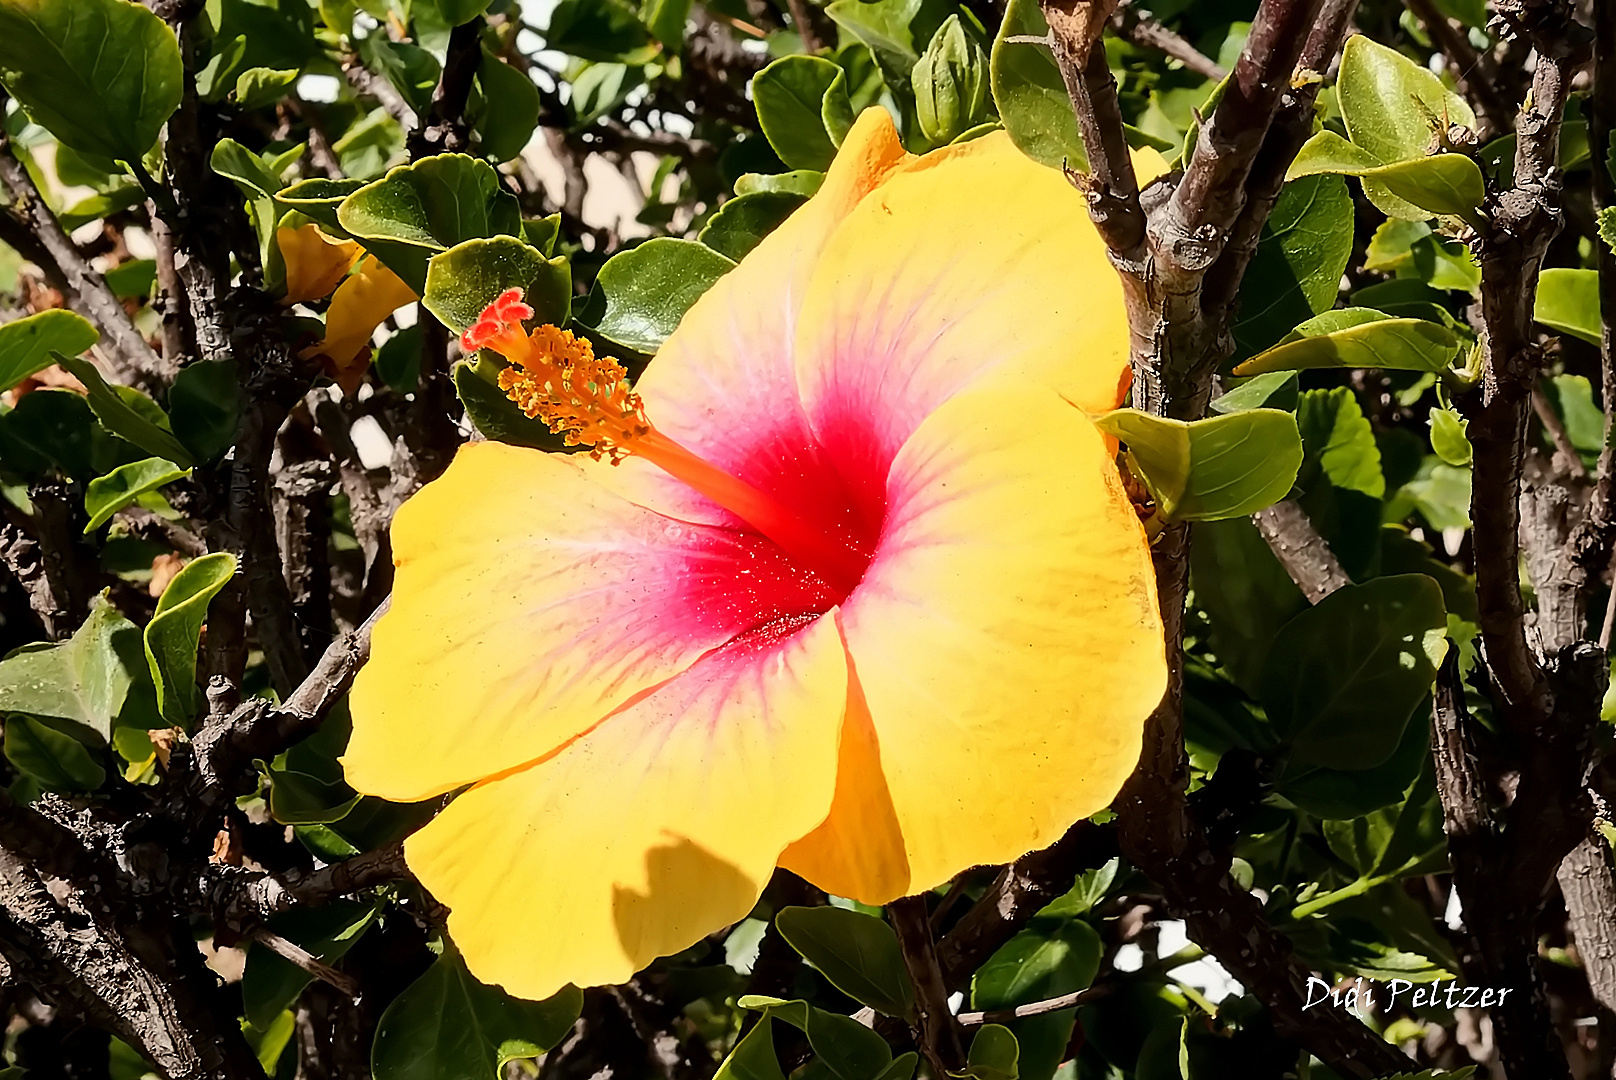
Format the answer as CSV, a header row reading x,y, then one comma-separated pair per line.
x,y
556,377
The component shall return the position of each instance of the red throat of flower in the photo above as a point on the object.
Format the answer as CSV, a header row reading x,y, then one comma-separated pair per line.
x,y
556,377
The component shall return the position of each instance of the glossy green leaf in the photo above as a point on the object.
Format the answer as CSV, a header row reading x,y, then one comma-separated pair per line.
x,y
858,953
26,344
49,428
1338,794
55,761
950,81
1028,91
495,414
270,984
1344,676
82,681
1301,255
1391,106
850,1050
1337,435
742,222
1051,957
463,281
791,97
260,87
994,1054
121,416
895,32
1448,437
1225,466
1275,390
319,198
508,113
648,289
753,1057
1568,301
172,634
449,1026
413,71
1359,338
203,406
296,798
108,494
103,76
432,205
607,30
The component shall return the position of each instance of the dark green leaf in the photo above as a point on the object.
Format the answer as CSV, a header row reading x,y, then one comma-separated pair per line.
x,y
319,198
753,1057
1225,466
398,361
1568,301
666,20
55,761
49,428
994,1054
172,634
26,344
1245,594
203,405
1296,271
413,71
1275,390
296,798
1352,793
132,280
108,494
606,30
1397,841
1344,676
1337,436
123,417
103,76
463,281
742,222
495,414
271,983
449,1026
649,288
1359,338
82,681
846,1047
790,95
510,109
858,953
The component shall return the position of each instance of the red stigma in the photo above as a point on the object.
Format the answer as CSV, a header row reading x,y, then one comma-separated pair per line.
x,y
506,310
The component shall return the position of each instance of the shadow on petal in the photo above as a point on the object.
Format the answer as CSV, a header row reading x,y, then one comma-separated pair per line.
x,y
686,884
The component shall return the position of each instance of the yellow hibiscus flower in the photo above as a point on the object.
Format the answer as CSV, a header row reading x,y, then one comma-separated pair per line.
x,y
861,596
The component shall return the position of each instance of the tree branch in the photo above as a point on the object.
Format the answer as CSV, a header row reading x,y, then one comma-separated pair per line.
x,y
936,1034
1305,555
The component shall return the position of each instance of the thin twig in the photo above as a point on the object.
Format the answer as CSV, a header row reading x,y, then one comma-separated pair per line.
x,y
936,1034
1305,555
306,960
1036,1008
1145,30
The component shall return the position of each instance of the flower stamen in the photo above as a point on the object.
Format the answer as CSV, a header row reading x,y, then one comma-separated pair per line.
x,y
556,377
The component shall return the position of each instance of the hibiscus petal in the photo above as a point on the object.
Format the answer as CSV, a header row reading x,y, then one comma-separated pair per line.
x,y
529,603
360,305
724,384
654,829
315,263
969,261
1006,637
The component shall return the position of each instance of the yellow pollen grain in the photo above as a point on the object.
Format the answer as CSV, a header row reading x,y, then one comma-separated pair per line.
x,y
584,398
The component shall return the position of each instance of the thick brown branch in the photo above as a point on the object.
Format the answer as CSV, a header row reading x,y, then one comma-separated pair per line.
x,y
936,1033
1305,555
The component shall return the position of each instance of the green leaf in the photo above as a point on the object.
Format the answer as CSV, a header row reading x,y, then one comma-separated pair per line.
x,y
1349,793
1301,255
81,681
895,31
413,71
1244,609
432,205
449,1026
742,222
319,198
951,83
858,953
509,110
1391,106
1053,956
463,281
108,494
846,1047
1448,437
994,1054
296,798
1275,390
203,405
49,428
398,361
55,761
246,168
1344,676
1358,338
1028,91
1607,226
1397,841
1419,188
172,634
271,983
607,30
103,76
121,416
666,20
26,344
259,87
1226,466
1337,435
649,288
495,414
792,95
1568,301
802,182
753,1057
